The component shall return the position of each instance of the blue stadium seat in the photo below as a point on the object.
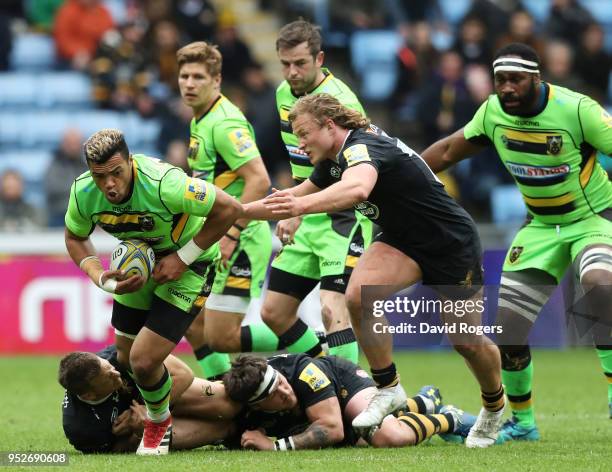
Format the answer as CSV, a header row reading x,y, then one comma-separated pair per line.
x,y
118,10
18,90
65,89
373,59
507,205
32,51
140,133
600,9
454,10
539,9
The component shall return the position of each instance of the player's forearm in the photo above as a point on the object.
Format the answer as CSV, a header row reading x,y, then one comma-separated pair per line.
x,y
255,188
339,196
218,222
84,255
258,211
436,155
317,436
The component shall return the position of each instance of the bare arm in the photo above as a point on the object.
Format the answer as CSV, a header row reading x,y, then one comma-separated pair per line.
x,y
326,428
182,376
257,210
356,185
256,183
448,151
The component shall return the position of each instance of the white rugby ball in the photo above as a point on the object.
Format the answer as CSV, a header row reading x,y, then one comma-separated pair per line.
x,y
133,256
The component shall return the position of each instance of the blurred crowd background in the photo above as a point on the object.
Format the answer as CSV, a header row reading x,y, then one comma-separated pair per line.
x,y
421,68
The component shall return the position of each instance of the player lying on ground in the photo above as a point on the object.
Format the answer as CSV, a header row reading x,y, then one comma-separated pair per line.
x,y
103,410
132,196
426,236
310,403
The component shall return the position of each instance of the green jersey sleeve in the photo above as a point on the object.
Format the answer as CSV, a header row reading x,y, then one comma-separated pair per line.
x,y
596,125
235,142
184,194
475,129
76,222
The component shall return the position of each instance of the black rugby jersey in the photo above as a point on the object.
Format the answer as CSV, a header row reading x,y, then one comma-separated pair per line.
x,y
89,427
407,200
313,380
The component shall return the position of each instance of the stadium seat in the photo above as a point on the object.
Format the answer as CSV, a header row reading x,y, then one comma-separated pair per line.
x,y
65,89
454,10
140,133
18,90
373,59
118,10
539,9
32,51
507,205
600,9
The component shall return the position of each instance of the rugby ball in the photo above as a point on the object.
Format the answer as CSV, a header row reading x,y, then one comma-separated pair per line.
x,y
133,256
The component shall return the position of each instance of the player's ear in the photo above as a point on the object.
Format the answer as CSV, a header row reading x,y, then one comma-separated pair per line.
x,y
319,58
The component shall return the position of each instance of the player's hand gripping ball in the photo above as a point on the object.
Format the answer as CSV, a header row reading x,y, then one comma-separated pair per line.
x,y
133,256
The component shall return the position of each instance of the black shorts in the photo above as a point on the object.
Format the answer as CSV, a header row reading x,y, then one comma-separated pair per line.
x,y
456,270
162,318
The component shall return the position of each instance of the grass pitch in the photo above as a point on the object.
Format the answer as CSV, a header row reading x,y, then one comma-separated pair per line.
x,y
569,394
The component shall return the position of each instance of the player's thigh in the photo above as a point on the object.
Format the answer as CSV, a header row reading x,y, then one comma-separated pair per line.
x,y
384,266
285,292
538,246
592,248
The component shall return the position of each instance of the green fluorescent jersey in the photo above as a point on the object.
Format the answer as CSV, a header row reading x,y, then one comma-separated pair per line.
x,y
166,208
300,165
552,155
222,140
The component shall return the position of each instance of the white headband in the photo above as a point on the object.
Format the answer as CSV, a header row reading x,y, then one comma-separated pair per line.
x,y
266,387
515,64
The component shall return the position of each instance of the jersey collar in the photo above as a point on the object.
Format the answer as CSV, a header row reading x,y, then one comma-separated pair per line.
x,y
95,402
211,108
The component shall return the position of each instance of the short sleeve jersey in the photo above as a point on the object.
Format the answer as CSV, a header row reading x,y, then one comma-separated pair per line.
x,y
285,99
222,140
407,201
552,155
166,207
88,427
313,380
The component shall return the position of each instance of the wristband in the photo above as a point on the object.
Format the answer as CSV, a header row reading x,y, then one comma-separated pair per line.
x,y
229,236
85,259
189,252
109,286
284,444
238,227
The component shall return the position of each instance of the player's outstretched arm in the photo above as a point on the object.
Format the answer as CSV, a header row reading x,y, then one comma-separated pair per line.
x,y
258,210
326,428
448,151
356,185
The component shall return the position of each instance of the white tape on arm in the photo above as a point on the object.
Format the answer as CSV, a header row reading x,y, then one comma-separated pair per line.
x,y
109,286
189,252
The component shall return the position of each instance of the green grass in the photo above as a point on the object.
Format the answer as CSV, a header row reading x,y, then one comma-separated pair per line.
x,y
570,396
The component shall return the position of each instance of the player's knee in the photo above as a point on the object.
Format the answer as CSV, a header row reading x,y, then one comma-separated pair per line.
x,y
142,365
353,299
389,437
270,315
468,350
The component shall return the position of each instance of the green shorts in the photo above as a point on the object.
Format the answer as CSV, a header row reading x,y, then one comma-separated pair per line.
x,y
324,245
188,293
248,264
553,248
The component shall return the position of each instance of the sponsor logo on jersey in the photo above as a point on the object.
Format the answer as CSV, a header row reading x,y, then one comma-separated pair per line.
x,y
147,223
553,144
178,294
330,263
240,271
356,248
195,189
515,253
537,172
194,147
526,123
606,118
314,377
356,153
335,172
241,139
368,210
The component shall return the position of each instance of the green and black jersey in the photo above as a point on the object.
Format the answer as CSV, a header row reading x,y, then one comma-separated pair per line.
x,y
166,207
285,99
552,155
222,140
